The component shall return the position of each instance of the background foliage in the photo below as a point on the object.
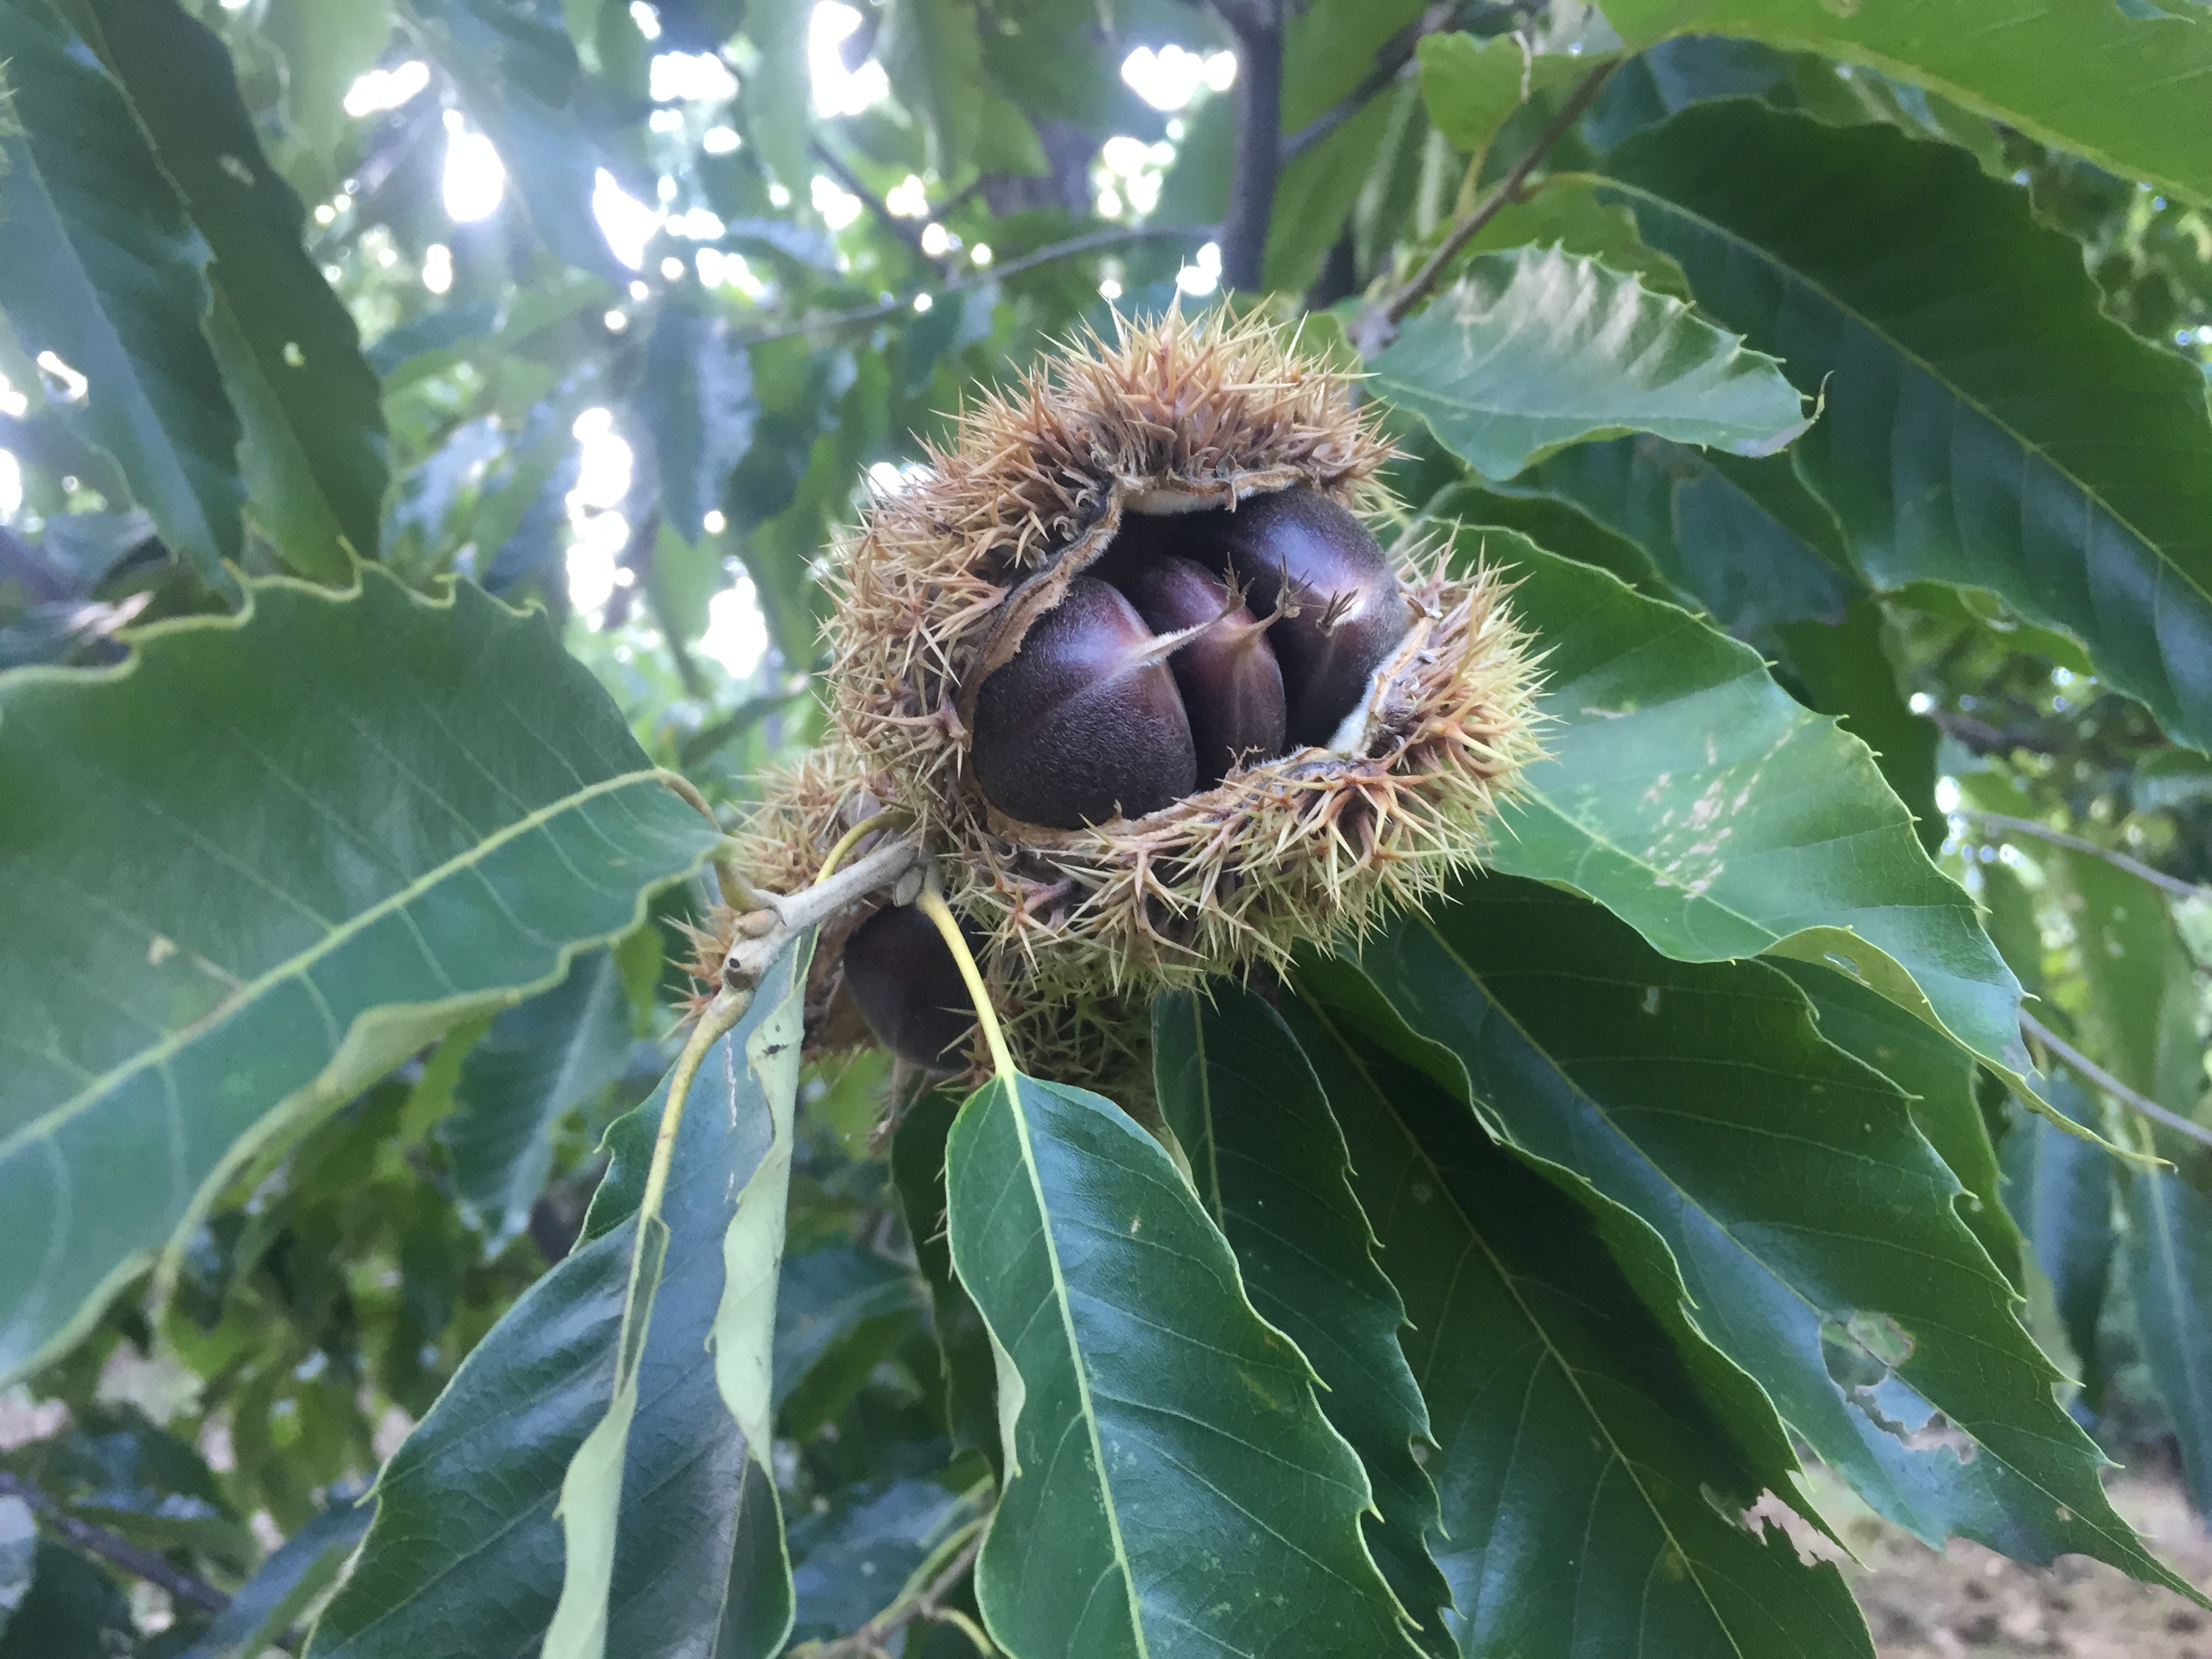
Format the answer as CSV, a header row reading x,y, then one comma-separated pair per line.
x,y
1832,382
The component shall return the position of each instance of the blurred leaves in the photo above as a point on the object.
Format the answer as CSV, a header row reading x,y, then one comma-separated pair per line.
x,y
107,274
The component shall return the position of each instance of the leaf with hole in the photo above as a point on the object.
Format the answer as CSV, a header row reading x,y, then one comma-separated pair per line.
x,y
1594,1483
1816,1228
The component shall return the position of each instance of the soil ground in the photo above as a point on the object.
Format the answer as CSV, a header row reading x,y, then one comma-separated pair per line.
x,y
1967,1602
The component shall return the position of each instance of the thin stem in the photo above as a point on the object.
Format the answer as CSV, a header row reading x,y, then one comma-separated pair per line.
x,y
854,837
934,907
2097,1076
911,1605
139,1562
1258,27
905,229
2059,838
1393,62
1490,205
1089,242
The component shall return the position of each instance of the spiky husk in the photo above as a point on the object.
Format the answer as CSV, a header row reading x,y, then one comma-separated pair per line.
x,y
944,577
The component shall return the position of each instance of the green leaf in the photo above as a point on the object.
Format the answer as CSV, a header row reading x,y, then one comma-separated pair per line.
x,y
599,1500
1170,1480
2126,91
840,1310
2061,1187
1594,1480
1689,794
1272,1171
1327,52
697,401
106,271
247,871
73,1611
285,1586
1473,87
934,53
1938,1077
312,412
2139,1018
465,1554
1743,537
1566,212
775,101
1814,1227
962,1343
1845,670
538,1061
326,45
1985,423
1556,526
2167,1249
1535,350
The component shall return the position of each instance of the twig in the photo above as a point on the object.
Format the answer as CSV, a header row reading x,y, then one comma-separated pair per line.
x,y
760,940
2059,838
1258,27
1489,208
1392,63
98,1541
2096,1075
869,1641
905,229
1089,242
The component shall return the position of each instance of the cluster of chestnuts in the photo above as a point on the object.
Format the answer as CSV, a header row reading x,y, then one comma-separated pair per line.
x,y
1197,642
1123,661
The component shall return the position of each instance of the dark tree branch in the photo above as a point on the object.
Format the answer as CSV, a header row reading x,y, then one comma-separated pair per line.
x,y
121,1551
1392,63
1089,242
1258,26
905,229
1377,326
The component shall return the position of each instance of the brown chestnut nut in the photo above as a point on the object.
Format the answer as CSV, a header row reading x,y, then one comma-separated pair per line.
x,y
1349,611
1085,725
908,987
1232,690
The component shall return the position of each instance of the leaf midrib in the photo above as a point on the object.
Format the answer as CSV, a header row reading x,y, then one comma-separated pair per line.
x,y
1108,1505
1791,274
1512,1289
296,964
